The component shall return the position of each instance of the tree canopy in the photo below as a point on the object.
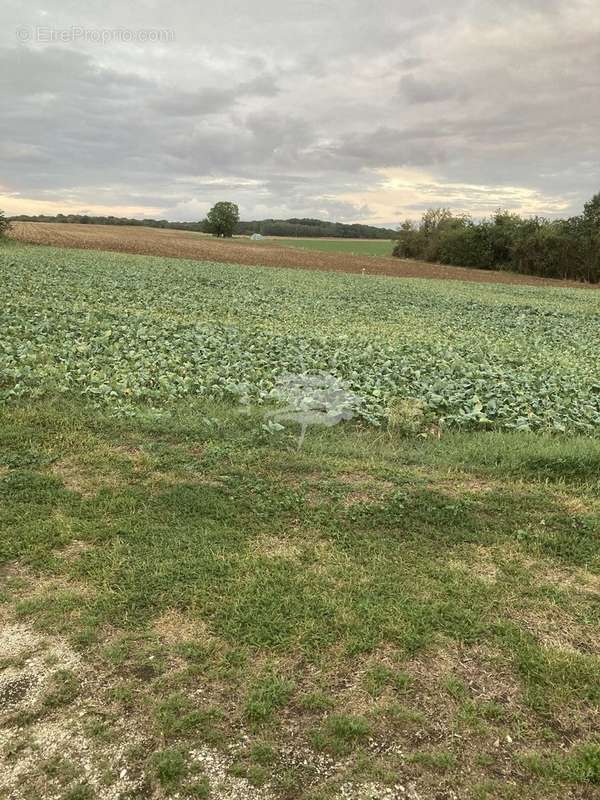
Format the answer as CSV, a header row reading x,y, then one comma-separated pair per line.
x,y
222,218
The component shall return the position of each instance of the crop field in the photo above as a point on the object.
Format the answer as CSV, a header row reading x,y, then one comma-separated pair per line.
x,y
241,250
124,330
355,247
406,607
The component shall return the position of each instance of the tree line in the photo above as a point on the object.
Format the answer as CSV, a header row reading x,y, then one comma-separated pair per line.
x,y
313,228
88,219
561,248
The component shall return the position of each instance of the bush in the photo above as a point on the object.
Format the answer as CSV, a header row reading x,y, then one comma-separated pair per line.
x,y
469,246
408,245
547,252
4,225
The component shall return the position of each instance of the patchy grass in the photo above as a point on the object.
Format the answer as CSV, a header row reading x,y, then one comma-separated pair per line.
x,y
582,765
199,609
339,732
169,767
269,693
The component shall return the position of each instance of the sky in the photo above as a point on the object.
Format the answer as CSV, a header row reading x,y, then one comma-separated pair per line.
x,y
342,110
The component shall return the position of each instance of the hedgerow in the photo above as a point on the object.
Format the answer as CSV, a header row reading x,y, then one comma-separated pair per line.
x,y
567,249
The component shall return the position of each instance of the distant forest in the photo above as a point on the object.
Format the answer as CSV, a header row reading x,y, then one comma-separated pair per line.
x,y
306,227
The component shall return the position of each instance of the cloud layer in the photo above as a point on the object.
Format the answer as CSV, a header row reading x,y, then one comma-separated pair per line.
x,y
335,110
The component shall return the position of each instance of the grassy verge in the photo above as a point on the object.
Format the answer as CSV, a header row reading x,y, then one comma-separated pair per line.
x,y
190,607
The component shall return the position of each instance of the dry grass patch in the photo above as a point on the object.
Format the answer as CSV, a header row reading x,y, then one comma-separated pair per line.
x,y
364,479
329,562
574,579
460,485
139,460
484,672
83,479
105,467
75,550
554,628
275,547
40,656
173,627
158,479
87,476
59,692
366,683
365,488
478,562
54,753
27,586
578,505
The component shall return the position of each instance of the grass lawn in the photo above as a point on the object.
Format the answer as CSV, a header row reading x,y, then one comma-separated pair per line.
x,y
373,609
191,607
358,247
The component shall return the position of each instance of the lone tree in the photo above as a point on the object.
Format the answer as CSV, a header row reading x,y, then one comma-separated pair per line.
x,y
4,225
222,219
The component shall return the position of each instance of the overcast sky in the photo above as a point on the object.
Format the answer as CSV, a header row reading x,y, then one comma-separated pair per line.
x,y
341,109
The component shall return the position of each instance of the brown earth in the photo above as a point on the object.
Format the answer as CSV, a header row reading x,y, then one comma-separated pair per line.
x,y
240,250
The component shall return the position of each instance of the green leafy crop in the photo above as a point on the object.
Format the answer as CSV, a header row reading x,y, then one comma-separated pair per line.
x,y
132,330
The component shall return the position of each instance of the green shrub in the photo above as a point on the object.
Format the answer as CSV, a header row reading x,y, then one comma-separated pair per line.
x,y
4,225
409,244
469,246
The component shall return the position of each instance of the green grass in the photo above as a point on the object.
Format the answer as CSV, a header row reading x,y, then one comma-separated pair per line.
x,y
382,605
308,586
580,766
440,761
340,732
269,693
169,767
366,247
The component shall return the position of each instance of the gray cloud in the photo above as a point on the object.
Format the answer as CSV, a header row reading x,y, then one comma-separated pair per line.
x,y
302,109
213,100
416,90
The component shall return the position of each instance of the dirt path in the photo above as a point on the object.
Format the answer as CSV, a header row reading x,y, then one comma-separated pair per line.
x,y
189,245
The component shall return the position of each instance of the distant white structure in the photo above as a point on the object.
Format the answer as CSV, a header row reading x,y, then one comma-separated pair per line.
x,y
256,236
